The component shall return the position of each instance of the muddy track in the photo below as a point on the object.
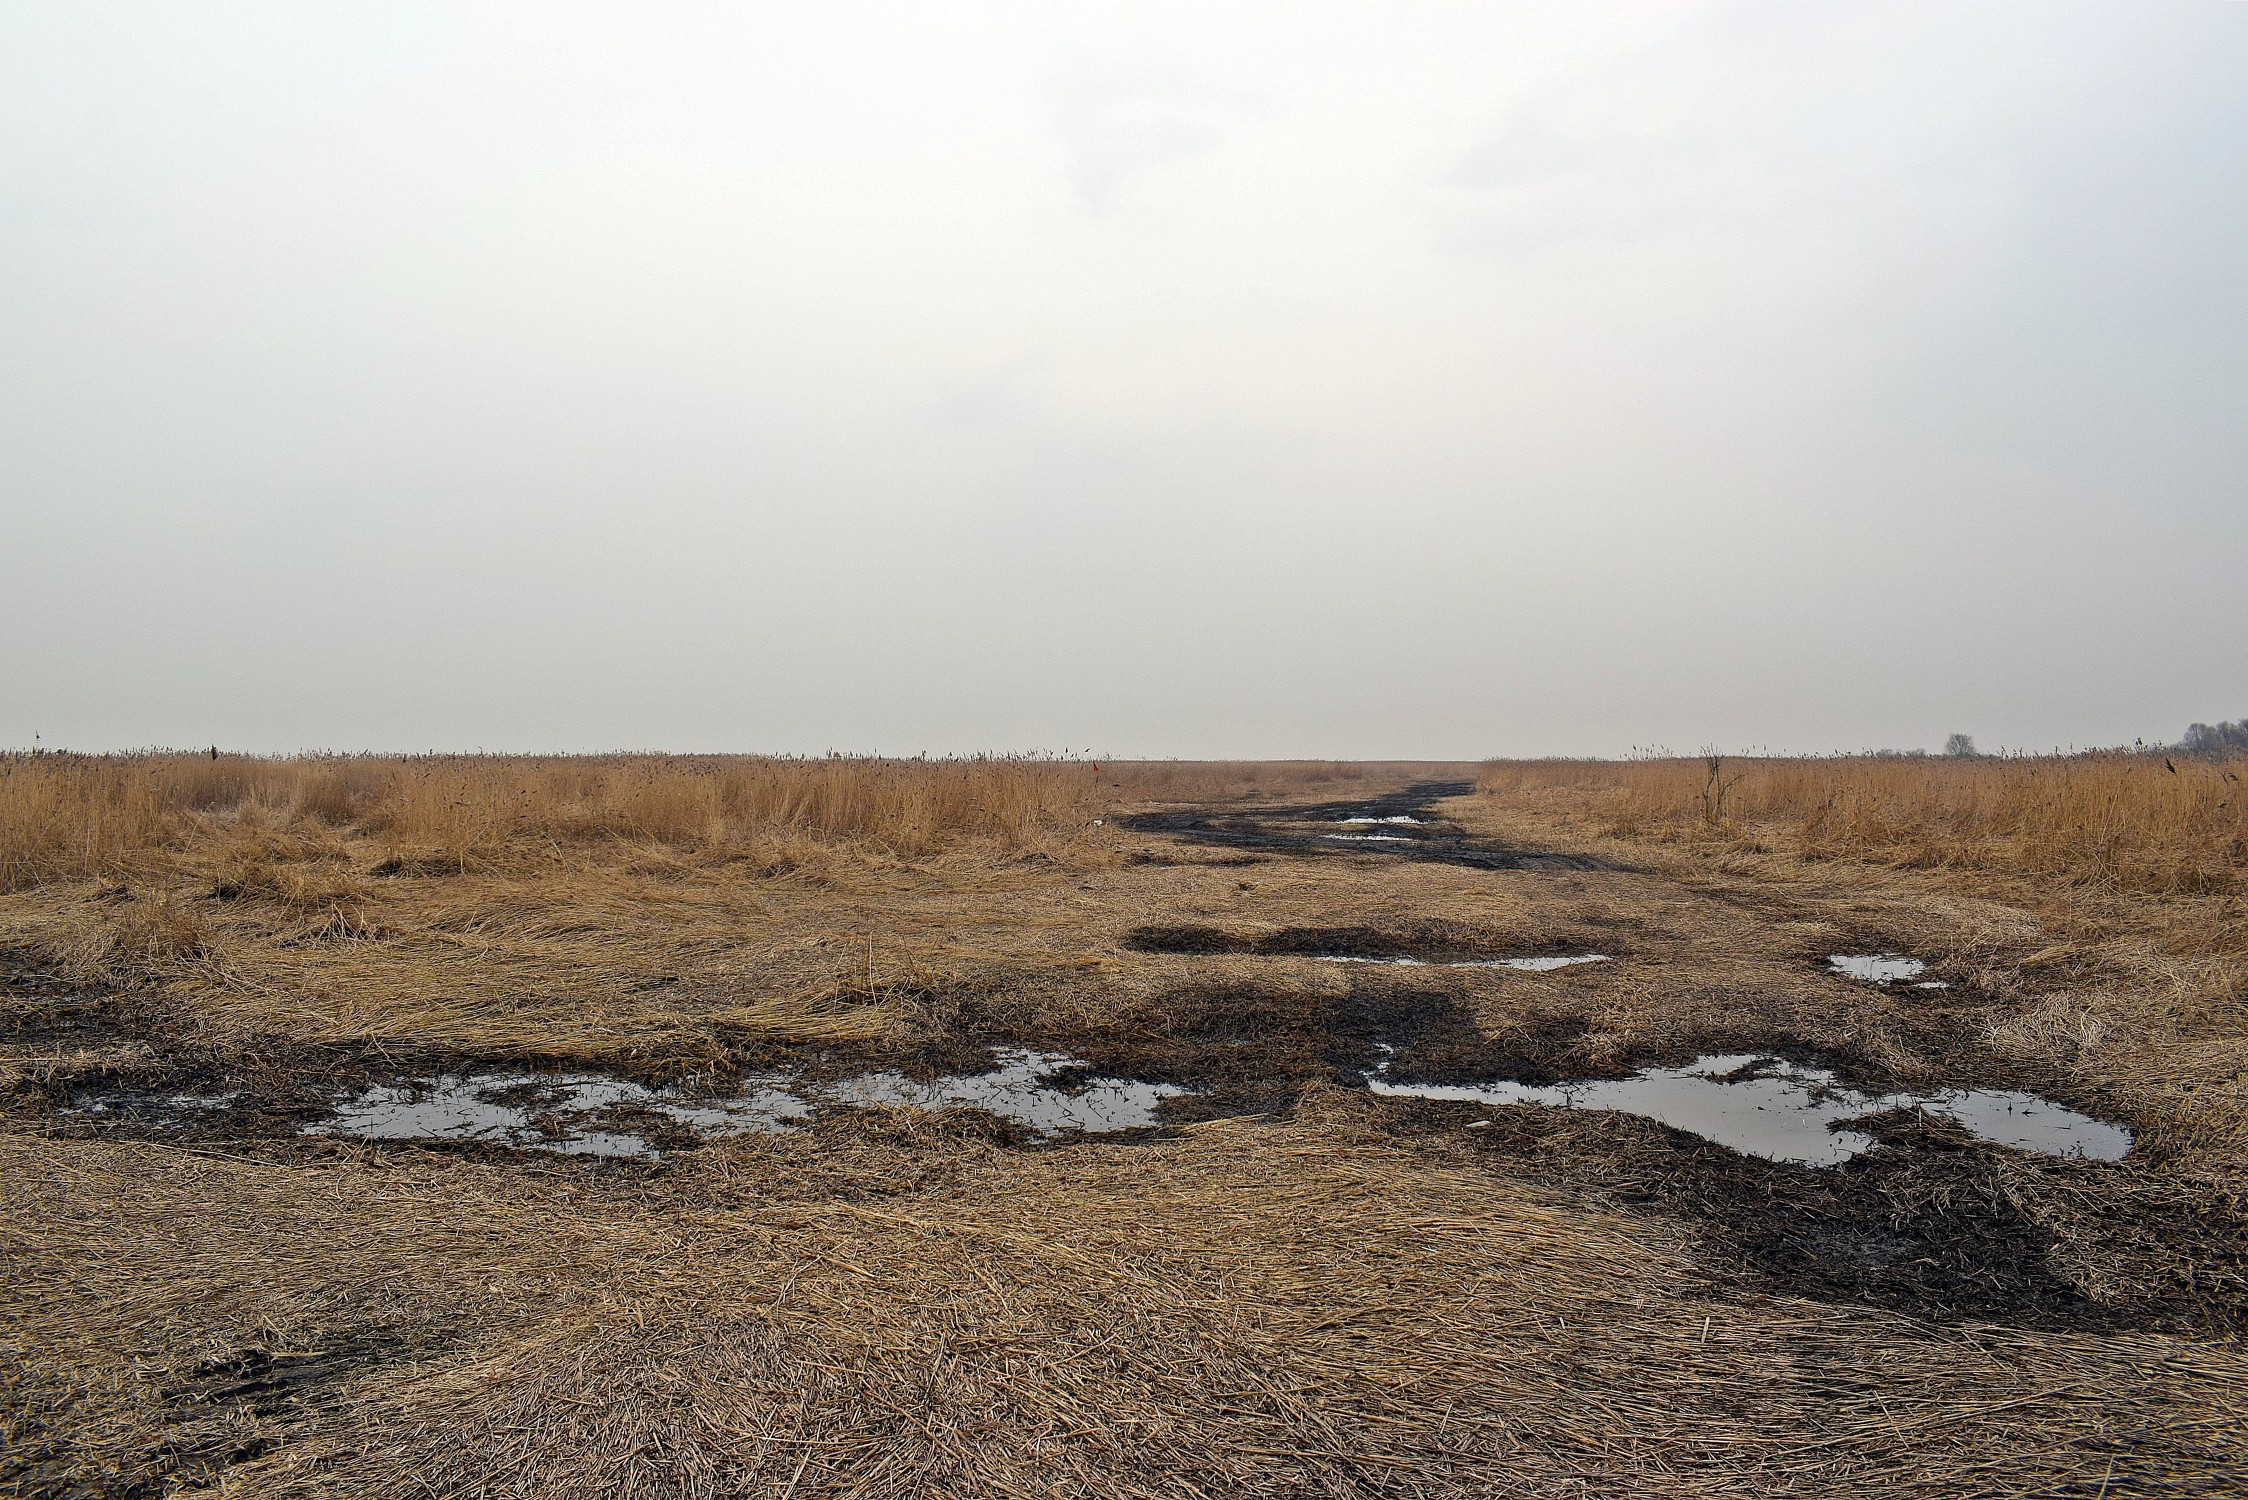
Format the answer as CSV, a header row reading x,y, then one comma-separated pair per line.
x,y
1367,828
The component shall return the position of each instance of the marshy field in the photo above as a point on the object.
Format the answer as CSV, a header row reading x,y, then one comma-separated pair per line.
x,y
652,1127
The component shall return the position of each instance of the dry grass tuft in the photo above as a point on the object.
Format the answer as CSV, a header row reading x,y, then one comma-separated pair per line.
x,y
142,943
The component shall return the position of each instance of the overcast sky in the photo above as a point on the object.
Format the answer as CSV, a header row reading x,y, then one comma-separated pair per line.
x,y
1209,379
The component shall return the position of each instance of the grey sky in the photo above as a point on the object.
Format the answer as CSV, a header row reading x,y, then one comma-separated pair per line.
x,y
1207,379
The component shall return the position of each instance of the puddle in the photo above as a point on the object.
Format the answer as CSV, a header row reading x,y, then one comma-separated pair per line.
x,y
1031,1088
1395,818
1527,965
1370,838
549,1112
590,1115
1748,1102
136,1106
1761,1106
1883,968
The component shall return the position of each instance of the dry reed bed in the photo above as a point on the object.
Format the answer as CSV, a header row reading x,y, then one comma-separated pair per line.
x,y
64,817
1256,1309
643,911
876,1306
250,895
2144,823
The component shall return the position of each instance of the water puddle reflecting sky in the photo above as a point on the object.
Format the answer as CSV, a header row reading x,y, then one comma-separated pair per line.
x,y
591,1115
550,1112
1762,1106
1883,968
1538,965
1747,1102
1027,1087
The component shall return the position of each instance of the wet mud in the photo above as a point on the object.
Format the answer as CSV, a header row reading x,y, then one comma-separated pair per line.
x,y
1930,1222
1423,942
1402,825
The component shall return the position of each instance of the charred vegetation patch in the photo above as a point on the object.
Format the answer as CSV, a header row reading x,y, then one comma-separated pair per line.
x,y
1431,942
1400,825
1931,1223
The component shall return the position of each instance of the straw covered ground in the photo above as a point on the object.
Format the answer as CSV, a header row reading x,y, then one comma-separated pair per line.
x,y
1291,1288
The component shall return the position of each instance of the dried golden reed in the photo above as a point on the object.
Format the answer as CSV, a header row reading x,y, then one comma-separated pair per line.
x,y
2133,821
70,817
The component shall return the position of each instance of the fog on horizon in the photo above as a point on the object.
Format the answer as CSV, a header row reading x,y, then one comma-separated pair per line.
x,y
1393,381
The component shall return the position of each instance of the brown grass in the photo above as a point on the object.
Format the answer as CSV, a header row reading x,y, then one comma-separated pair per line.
x,y
68,817
633,910
1335,1298
64,817
2131,822
1257,1308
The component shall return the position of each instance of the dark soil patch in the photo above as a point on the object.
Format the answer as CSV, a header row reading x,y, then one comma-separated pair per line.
x,y
1433,942
1930,1223
1322,829
413,865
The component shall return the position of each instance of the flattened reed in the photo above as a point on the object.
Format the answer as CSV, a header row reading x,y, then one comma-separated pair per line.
x,y
1258,1308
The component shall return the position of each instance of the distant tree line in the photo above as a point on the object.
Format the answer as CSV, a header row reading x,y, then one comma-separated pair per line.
x,y
2227,738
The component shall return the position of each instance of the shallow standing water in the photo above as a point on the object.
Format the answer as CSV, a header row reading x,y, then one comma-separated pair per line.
x,y
1766,1107
590,1115
549,1112
1538,965
1883,969
1027,1087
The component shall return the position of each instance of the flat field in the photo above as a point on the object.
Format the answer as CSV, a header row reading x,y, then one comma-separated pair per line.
x,y
1329,1230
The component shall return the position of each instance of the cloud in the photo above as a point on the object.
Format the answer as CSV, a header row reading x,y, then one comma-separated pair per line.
x,y
1126,112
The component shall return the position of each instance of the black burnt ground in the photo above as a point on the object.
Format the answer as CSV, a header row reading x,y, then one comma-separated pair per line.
x,y
1930,1222
1323,829
1428,942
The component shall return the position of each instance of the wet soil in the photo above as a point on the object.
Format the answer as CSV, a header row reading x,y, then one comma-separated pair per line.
x,y
1433,942
1363,829
1929,1223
